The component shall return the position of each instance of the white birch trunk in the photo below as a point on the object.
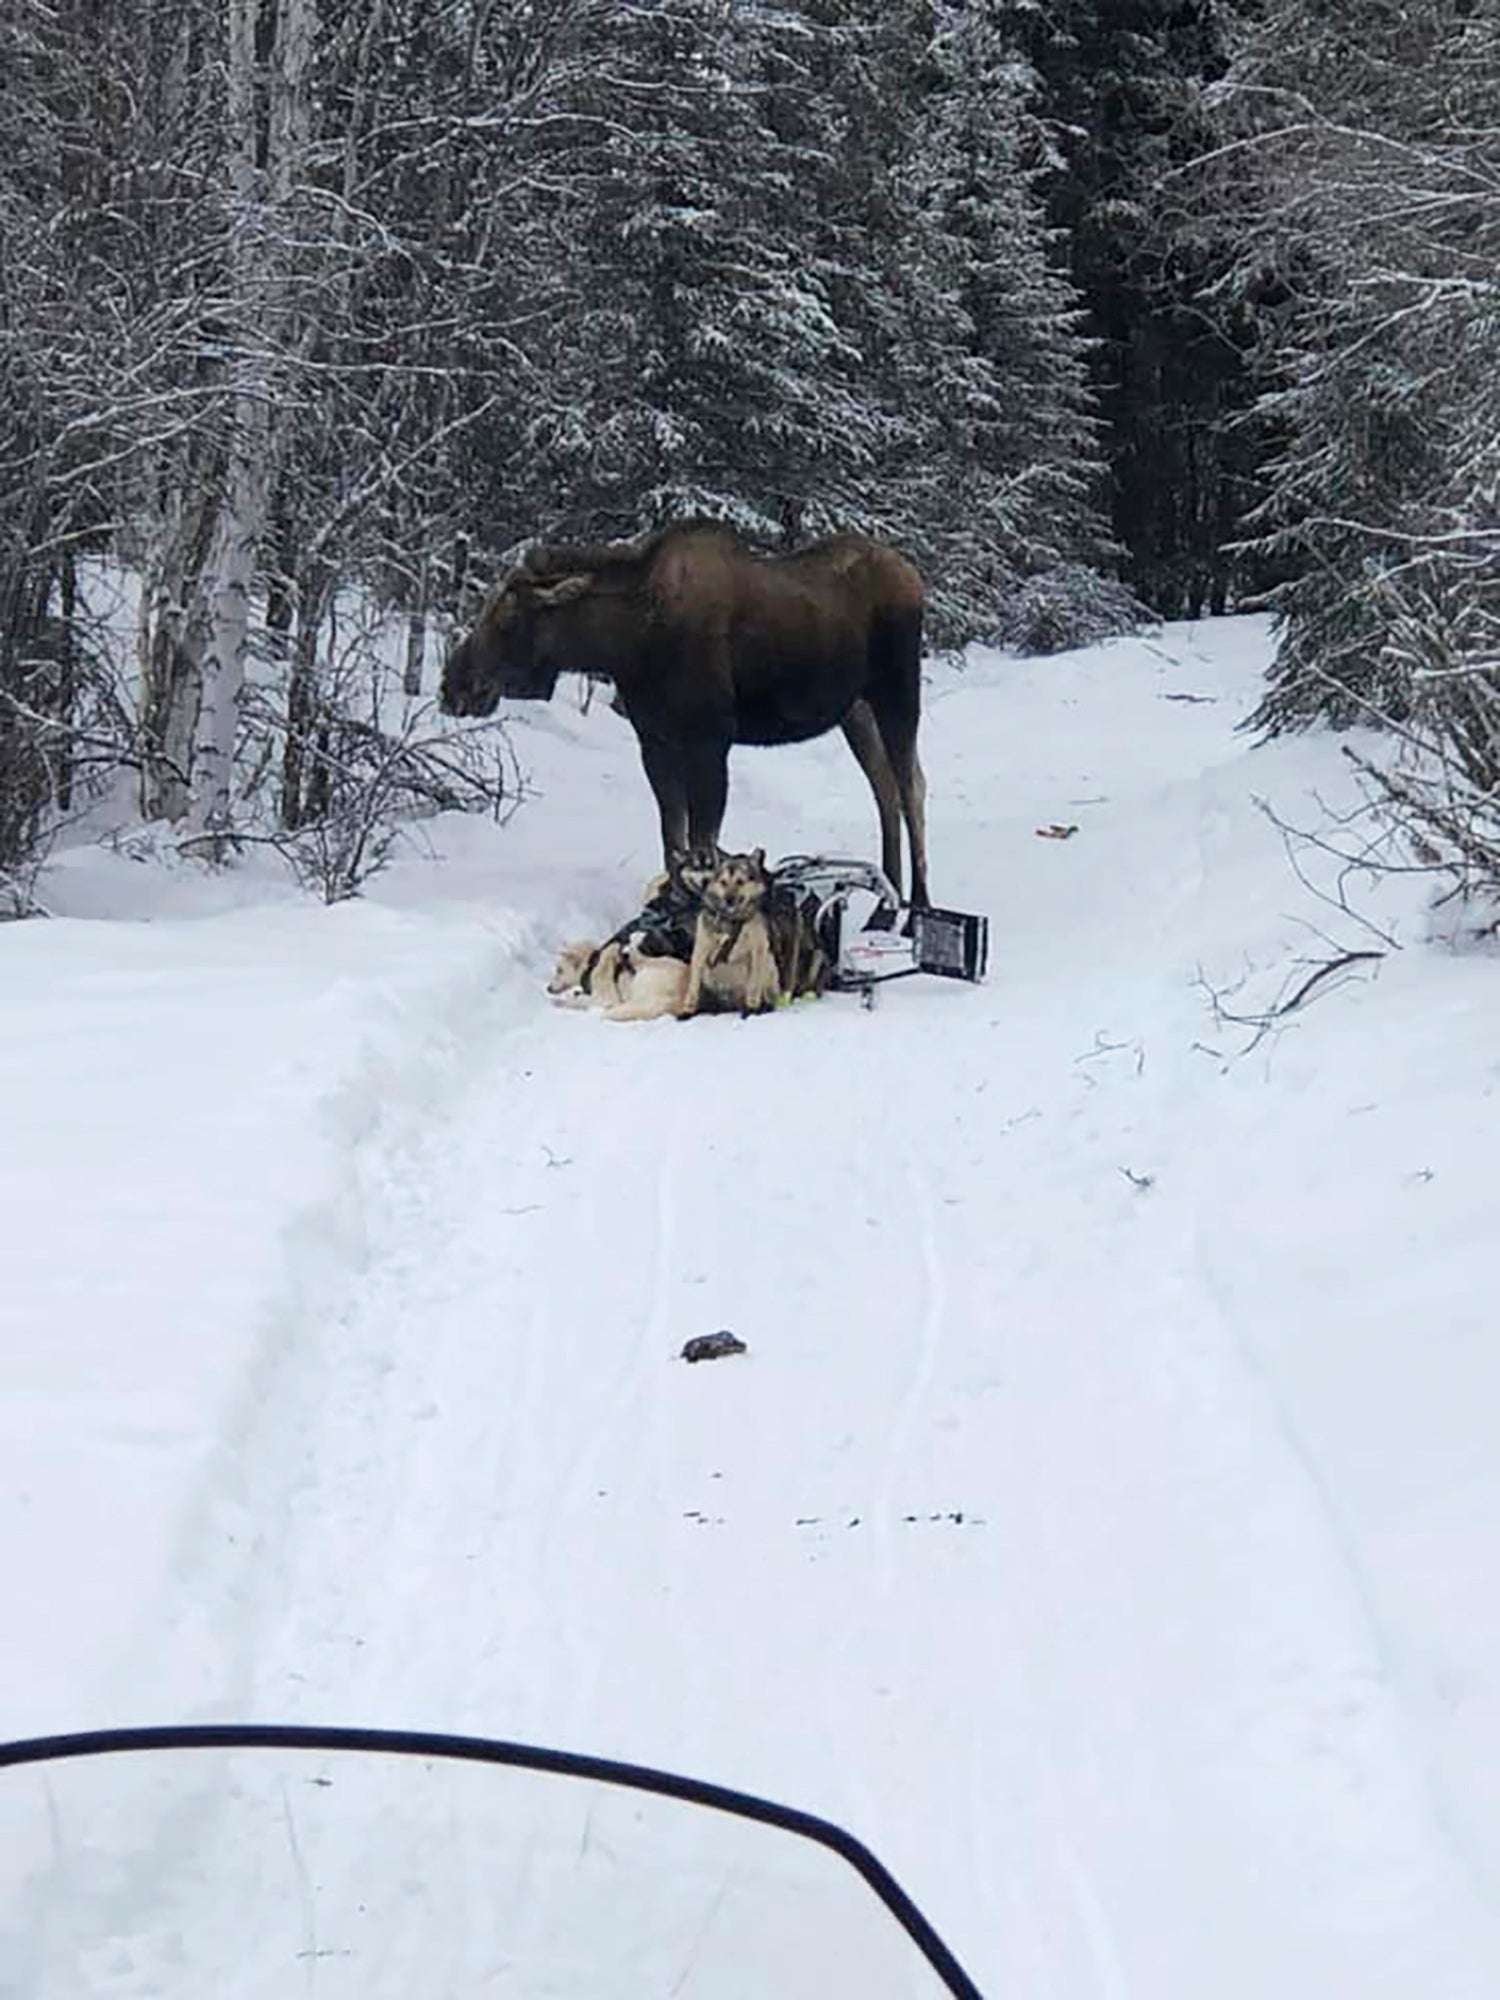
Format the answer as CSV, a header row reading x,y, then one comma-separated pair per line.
x,y
416,639
174,545
170,644
259,291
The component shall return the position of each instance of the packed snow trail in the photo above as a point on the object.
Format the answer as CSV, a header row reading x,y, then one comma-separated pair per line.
x,y
1026,1538
994,1544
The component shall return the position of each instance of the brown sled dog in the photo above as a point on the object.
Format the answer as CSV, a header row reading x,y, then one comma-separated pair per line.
x,y
733,966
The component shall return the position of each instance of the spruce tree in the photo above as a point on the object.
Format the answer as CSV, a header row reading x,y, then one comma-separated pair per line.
x,y
711,373
1117,90
998,360
1371,132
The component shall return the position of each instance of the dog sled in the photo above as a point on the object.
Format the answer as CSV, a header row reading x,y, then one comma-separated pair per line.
x,y
869,936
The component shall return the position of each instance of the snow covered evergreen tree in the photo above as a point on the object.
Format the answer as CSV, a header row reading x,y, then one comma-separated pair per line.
x,y
1374,134
1117,90
816,290
1006,473
709,372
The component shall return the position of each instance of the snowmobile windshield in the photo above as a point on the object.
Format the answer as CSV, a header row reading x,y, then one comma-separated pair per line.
x,y
248,1864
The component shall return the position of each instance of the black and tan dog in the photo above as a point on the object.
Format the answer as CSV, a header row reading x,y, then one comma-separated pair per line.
x,y
802,964
733,968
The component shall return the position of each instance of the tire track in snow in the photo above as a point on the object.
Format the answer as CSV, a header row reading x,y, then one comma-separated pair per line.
x,y
893,1472
624,1401
918,1387
1261,1387
494,1489
1097,1399
1056,1910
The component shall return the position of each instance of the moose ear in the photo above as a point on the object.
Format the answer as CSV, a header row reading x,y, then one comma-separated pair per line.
x,y
562,592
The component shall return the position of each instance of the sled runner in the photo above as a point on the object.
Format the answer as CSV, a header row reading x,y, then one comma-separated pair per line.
x,y
870,936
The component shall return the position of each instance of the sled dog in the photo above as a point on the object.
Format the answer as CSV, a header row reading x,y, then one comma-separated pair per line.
x,y
802,965
733,967
623,981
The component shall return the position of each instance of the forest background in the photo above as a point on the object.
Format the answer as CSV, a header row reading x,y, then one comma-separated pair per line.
x,y
1102,311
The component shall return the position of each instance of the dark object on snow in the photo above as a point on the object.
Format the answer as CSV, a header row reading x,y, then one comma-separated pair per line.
x,y
710,644
713,1346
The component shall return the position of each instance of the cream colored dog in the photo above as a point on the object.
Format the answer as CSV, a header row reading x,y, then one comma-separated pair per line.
x,y
624,983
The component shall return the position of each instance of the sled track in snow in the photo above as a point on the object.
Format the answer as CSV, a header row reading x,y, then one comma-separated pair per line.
x,y
617,1551
991,1546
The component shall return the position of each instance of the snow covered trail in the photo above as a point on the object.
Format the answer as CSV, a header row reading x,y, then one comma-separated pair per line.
x,y
1102,1521
995,1545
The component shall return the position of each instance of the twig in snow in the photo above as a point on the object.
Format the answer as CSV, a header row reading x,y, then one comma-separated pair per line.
x,y
1266,1020
1367,859
1106,1048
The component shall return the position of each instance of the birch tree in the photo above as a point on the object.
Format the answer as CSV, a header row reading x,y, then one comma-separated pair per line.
x,y
267,130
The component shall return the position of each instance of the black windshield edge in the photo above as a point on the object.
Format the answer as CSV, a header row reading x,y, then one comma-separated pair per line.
x,y
524,1757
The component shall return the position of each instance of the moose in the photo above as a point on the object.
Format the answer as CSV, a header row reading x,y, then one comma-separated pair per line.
x,y
709,644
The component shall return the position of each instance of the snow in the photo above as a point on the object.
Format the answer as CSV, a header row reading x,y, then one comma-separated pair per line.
x,y
1103,1521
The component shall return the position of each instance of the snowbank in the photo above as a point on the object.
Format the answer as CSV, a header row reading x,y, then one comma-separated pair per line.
x,y
188,1109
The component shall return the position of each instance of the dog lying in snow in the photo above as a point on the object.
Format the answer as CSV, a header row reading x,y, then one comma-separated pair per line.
x,y
622,981
714,936
641,972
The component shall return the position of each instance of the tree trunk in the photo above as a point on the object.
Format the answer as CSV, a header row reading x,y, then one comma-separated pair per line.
x,y
67,679
416,638
170,649
302,699
259,287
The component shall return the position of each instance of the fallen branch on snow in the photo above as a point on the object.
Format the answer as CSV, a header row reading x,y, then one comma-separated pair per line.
x,y
1263,1022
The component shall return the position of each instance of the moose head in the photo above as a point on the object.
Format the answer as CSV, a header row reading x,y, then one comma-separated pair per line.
x,y
517,646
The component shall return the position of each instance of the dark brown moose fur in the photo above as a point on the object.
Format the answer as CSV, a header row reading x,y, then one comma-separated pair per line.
x,y
710,644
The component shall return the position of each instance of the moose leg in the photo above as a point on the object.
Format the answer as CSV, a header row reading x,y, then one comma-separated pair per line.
x,y
706,763
914,800
898,732
862,735
666,776
895,696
